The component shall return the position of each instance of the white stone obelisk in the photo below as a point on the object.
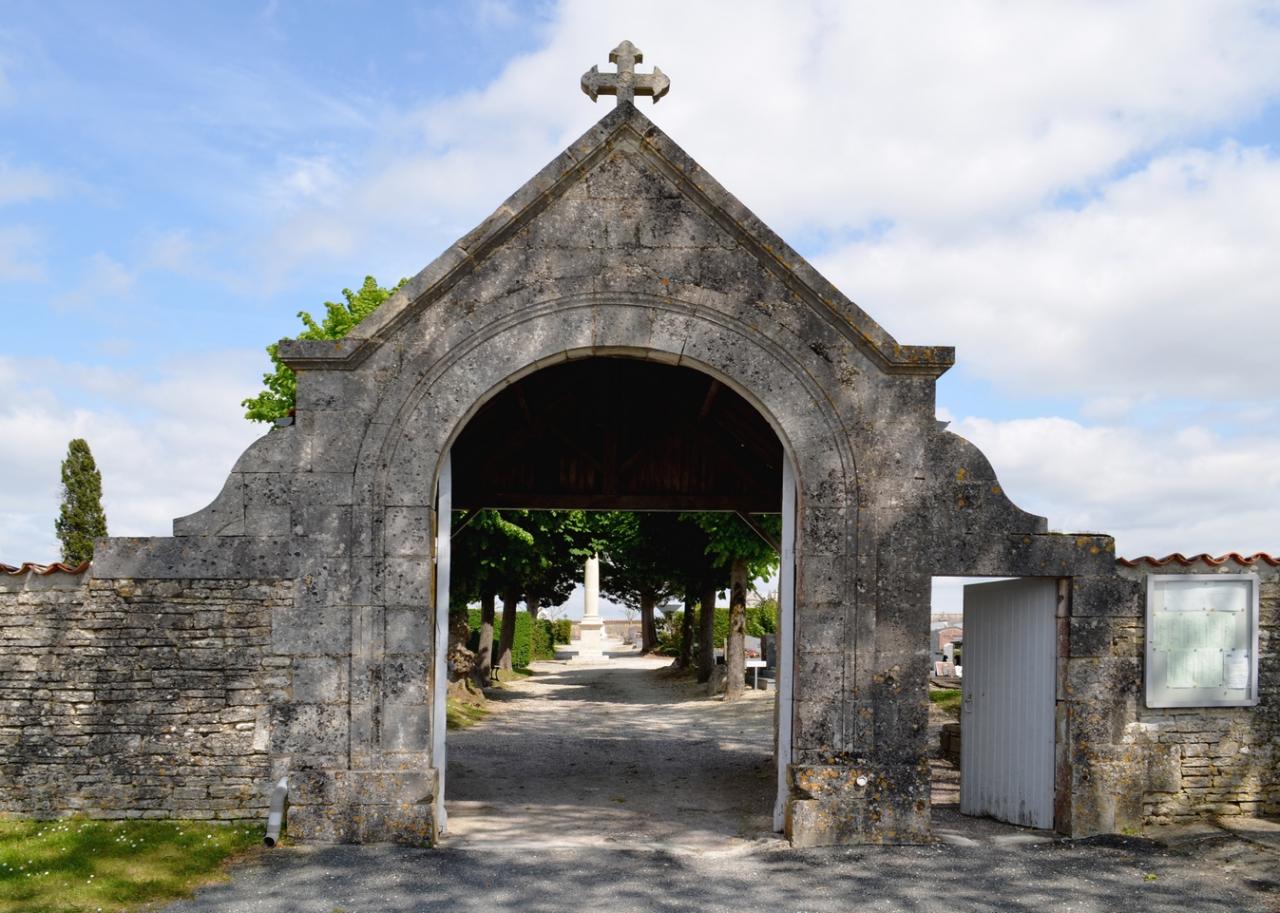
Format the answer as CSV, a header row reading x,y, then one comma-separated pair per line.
x,y
591,629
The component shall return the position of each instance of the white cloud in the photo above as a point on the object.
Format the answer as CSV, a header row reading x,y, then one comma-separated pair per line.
x,y
104,278
947,128
1164,285
173,251
164,443
20,254
1156,490
828,117
303,179
20,184
495,14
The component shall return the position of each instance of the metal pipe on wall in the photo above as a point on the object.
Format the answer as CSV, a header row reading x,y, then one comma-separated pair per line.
x,y
275,814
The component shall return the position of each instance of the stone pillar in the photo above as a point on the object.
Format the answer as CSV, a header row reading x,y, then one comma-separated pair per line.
x,y
591,639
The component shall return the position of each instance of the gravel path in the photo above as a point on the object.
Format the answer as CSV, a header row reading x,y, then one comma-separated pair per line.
x,y
627,754
622,788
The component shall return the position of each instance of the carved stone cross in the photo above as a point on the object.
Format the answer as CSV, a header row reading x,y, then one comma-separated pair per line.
x,y
626,83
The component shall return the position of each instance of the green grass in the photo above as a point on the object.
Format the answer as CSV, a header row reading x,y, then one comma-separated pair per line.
x,y
948,700
459,715
74,865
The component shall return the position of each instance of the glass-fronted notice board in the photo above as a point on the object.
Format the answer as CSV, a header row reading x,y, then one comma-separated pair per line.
x,y
1202,640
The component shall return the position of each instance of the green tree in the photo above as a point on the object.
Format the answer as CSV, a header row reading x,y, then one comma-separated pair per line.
x,y
638,567
735,547
81,519
545,569
483,547
280,395
562,540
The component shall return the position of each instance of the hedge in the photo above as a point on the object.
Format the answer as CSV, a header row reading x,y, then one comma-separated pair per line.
x,y
563,630
532,641
543,645
761,619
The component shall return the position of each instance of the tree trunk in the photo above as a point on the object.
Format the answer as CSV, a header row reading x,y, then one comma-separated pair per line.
x,y
685,659
534,605
648,630
462,662
707,633
735,653
484,652
510,599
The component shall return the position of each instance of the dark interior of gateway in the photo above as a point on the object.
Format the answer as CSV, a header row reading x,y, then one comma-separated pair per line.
x,y
618,434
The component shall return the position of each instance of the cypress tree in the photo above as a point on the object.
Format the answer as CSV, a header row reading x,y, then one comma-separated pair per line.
x,y
81,519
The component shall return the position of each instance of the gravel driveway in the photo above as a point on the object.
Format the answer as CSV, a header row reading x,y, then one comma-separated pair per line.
x,y
623,788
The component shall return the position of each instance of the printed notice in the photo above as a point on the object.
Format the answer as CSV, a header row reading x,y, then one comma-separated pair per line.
x,y
1201,640
1180,668
1187,597
1208,668
1236,675
1221,630
1203,596
1182,631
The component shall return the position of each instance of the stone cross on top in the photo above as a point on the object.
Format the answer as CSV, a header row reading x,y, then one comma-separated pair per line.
x,y
626,83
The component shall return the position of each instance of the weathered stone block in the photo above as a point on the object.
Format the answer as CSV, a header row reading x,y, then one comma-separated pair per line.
x,y
311,629
309,729
319,679
406,727
409,531
408,581
408,630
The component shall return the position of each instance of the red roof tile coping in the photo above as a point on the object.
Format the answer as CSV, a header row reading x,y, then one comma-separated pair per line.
x,y
1208,559
44,570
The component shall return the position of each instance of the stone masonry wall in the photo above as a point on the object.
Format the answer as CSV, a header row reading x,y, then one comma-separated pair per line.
x,y
1216,761
1166,765
136,699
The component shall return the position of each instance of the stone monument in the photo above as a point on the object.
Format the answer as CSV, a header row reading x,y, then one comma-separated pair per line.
x,y
591,637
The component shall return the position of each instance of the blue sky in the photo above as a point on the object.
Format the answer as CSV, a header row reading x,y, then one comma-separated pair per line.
x,y
1083,198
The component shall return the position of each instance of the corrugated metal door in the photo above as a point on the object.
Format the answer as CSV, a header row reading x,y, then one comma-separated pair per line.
x,y
1006,745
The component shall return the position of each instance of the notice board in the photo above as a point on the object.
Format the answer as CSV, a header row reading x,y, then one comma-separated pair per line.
x,y
1202,640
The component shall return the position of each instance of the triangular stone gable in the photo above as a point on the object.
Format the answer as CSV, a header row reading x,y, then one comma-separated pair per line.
x,y
625,185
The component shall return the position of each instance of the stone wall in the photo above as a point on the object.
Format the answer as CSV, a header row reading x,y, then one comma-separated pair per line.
x,y
1214,760
1158,766
136,699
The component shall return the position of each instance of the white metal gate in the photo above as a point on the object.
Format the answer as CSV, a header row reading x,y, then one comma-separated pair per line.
x,y
1007,724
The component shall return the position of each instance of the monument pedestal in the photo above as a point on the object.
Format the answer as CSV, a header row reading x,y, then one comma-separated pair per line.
x,y
591,642
591,628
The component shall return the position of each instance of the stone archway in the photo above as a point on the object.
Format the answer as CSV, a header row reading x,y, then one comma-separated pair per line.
x,y
622,245
632,430
744,360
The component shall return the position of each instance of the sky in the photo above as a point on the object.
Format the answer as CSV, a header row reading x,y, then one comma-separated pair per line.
x,y
1083,198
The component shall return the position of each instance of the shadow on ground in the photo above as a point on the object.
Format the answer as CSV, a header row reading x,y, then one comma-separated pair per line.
x,y
1048,877
624,754
625,788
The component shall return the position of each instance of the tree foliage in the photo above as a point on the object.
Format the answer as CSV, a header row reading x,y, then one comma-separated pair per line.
x,y
562,540
648,556
81,519
536,553
483,546
729,537
280,395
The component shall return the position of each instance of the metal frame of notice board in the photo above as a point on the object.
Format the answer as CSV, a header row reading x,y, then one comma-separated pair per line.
x,y
1201,645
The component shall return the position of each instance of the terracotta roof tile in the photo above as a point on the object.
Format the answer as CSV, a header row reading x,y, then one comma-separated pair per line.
x,y
44,569
1183,560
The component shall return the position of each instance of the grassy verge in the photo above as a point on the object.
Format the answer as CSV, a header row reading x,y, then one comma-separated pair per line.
x,y
460,715
74,865
948,701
